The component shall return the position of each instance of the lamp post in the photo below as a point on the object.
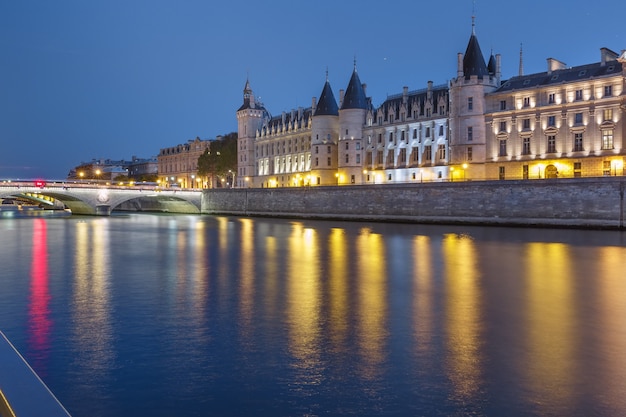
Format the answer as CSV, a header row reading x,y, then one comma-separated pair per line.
x,y
193,184
464,168
451,173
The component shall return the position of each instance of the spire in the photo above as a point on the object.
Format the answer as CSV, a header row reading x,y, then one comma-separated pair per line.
x,y
248,96
473,60
327,105
354,97
521,61
473,17
491,66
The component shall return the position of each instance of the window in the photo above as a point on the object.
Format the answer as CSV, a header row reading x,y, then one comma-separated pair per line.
x,y
607,139
357,146
502,126
346,132
402,157
526,124
402,136
551,120
317,149
525,172
469,153
428,132
328,162
428,112
328,150
442,111
502,148
441,130
390,137
470,134
502,104
389,177
501,173
578,142
526,146
358,158
352,179
347,146
551,144
441,150
347,158
380,138
470,103
428,153
608,90
606,168
551,98
578,118
578,95
317,161
526,101
607,115
414,133
577,169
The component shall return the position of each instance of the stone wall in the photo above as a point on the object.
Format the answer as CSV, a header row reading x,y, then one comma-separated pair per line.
x,y
580,202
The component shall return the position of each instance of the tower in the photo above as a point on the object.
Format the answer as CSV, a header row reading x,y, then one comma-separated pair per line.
x,y
324,129
352,114
468,106
250,117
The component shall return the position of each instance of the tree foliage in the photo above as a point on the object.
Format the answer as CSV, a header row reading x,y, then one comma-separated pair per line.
x,y
219,158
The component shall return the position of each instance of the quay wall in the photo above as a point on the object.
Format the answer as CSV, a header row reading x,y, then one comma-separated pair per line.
x,y
567,202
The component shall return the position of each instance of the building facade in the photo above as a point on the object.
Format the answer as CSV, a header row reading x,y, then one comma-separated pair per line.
x,y
178,165
565,122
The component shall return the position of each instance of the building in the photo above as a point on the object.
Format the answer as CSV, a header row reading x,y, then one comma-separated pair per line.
x,y
565,122
140,169
178,165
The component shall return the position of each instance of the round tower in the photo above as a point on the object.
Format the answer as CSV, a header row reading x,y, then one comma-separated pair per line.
x,y
250,117
352,114
324,137
468,107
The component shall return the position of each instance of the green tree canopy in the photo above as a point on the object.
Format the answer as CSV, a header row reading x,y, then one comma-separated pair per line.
x,y
220,158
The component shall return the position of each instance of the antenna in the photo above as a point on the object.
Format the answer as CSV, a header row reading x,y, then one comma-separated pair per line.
x,y
473,17
521,61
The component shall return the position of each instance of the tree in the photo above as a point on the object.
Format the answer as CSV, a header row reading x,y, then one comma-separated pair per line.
x,y
220,159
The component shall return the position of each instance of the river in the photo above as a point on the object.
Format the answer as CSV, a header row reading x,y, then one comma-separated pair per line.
x,y
162,315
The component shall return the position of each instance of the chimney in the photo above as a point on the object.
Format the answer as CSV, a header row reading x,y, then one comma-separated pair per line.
x,y
554,65
429,94
498,66
313,103
364,89
607,55
341,94
459,65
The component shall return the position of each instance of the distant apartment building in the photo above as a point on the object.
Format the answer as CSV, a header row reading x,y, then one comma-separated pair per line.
x,y
178,165
564,122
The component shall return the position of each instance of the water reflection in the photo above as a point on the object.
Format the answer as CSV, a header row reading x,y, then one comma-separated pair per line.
x,y
40,324
463,317
372,306
550,324
338,287
91,313
303,302
423,309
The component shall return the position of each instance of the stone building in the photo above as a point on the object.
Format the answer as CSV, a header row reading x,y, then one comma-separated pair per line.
x,y
565,122
178,165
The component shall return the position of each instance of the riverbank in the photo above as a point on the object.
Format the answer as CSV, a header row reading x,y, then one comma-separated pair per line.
x,y
573,202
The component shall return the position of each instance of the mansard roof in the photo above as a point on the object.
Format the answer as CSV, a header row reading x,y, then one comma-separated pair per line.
x,y
354,97
567,75
473,60
327,105
294,119
419,97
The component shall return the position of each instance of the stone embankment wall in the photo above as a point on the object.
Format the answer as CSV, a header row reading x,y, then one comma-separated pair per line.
x,y
576,202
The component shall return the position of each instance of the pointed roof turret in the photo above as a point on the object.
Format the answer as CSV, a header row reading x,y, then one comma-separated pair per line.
x,y
491,66
354,97
248,97
473,60
327,105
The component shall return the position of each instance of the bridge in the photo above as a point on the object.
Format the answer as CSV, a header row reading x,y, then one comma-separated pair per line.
x,y
101,199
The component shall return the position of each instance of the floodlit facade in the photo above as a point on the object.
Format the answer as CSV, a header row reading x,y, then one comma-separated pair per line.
x,y
178,165
564,122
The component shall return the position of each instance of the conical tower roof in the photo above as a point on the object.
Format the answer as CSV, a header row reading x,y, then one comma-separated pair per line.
x,y
473,60
355,95
491,66
327,105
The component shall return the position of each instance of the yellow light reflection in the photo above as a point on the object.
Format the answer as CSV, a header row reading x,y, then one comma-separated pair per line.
x,y
372,292
463,321
303,294
338,249
91,310
550,319
423,314
246,278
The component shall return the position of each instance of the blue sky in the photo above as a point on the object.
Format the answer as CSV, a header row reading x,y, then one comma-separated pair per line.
x,y
112,79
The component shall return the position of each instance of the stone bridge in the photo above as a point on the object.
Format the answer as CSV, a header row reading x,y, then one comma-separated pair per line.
x,y
101,200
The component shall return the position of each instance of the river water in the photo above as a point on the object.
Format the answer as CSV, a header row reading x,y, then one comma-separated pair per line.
x,y
156,315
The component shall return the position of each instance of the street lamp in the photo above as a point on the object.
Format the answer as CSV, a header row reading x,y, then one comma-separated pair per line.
x,y
451,173
193,177
464,168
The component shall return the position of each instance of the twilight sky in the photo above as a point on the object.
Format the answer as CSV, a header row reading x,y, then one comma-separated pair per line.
x,y
83,80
